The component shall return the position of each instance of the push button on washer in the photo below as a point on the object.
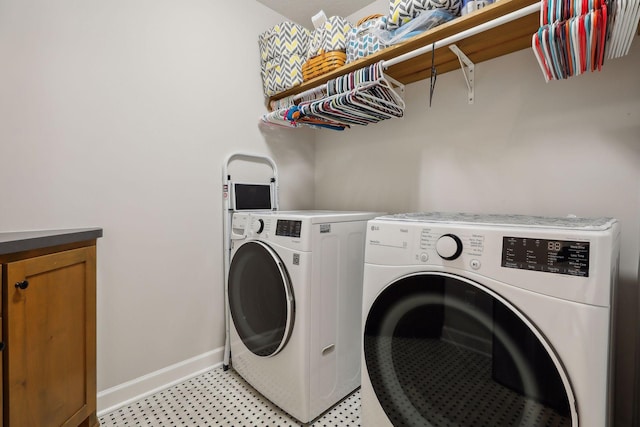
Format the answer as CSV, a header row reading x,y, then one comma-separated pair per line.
x,y
424,257
475,264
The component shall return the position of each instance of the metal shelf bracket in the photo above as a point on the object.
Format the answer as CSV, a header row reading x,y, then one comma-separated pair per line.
x,y
467,68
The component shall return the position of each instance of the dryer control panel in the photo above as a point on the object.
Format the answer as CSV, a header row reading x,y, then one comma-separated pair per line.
x,y
397,243
560,262
552,256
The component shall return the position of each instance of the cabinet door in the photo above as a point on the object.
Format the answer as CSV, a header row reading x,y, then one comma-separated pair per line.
x,y
51,340
1,368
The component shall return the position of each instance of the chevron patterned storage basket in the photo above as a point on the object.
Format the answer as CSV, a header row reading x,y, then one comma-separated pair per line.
x,y
331,36
282,73
403,11
327,48
361,42
283,51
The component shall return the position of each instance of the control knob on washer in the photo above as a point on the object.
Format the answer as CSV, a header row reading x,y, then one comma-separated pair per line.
x,y
449,246
257,226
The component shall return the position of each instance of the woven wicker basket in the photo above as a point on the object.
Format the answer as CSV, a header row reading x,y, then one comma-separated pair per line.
x,y
323,63
367,18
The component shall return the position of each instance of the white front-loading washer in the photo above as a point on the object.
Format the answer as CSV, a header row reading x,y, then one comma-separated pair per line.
x,y
488,320
295,298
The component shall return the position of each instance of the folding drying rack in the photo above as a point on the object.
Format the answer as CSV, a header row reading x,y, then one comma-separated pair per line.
x,y
230,205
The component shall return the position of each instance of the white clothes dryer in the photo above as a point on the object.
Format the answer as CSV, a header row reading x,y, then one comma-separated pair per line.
x,y
488,320
295,297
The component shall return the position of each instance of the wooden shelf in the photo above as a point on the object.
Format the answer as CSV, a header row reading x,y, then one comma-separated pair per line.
x,y
507,38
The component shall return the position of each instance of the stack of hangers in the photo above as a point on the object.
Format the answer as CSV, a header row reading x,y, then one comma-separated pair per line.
x,y
571,39
623,18
358,98
574,34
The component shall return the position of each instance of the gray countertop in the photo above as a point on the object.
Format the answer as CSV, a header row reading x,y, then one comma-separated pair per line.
x,y
19,241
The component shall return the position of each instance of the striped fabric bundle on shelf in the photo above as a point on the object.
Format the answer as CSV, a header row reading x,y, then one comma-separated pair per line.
x,y
403,11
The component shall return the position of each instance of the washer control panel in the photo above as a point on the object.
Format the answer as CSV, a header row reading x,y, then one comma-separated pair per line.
x,y
288,228
257,226
246,225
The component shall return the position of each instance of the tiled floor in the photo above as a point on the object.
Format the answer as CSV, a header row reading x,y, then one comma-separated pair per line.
x,y
220,398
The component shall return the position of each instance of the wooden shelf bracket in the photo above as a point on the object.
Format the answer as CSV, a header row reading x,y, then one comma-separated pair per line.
x,y
467,67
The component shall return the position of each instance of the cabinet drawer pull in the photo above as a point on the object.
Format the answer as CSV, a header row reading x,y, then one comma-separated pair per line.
x,y
22,285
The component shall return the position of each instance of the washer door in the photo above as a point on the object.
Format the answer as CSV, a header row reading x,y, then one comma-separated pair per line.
x,y
260,298
441,350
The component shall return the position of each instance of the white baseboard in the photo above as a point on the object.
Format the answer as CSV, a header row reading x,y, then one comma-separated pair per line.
x,y
123,394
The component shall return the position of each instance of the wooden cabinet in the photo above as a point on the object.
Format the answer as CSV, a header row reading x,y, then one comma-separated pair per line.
x,y
49,332
1,345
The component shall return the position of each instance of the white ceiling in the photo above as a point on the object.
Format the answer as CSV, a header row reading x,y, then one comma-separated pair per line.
x,y
301,11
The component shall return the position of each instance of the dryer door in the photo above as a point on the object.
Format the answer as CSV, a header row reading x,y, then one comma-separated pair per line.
x,y
441,350
260,298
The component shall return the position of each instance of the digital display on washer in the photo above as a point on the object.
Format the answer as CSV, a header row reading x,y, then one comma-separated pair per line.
x,y
552,256
288,228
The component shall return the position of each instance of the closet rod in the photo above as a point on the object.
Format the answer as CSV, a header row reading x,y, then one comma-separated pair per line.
x,y
446,41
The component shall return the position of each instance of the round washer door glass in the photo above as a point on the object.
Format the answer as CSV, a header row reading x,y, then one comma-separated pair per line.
x,y
444,351
260,299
